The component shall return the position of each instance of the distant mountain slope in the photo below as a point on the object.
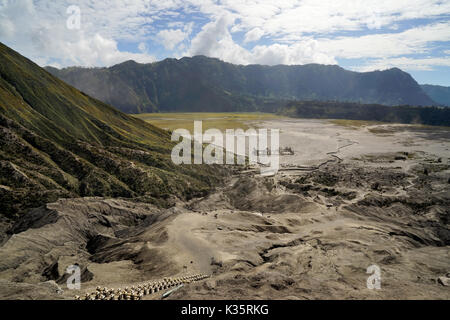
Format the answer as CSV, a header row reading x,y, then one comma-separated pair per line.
x,y
57,142
208,84
438,116
439,94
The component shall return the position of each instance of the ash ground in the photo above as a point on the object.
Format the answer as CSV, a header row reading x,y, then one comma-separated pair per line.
x,y
349,198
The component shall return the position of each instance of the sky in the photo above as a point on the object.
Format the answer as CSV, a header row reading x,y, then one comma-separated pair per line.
x,y
366,35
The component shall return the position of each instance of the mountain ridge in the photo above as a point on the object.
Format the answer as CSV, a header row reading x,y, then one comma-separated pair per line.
x,y
440,94
201,83
434,116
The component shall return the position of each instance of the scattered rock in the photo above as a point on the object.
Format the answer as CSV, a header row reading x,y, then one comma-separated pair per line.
x,y
375,186
445,281
215,262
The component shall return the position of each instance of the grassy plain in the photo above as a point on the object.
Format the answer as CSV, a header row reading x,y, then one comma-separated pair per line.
x,y
221,121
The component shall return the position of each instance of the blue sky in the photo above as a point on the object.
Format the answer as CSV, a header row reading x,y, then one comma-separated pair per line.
x,y
413,35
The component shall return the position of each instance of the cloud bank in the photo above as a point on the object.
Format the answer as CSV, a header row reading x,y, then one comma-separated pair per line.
x,y
362,35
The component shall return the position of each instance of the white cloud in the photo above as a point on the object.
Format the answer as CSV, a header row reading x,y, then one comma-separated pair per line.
x,y
172,37
7,28
302,52
188,27
143,47
38,30
215,40
412,41
294,31
292,18
409,64
95,51
253,35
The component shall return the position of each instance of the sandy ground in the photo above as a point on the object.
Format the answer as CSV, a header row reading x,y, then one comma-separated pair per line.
x,y
350,198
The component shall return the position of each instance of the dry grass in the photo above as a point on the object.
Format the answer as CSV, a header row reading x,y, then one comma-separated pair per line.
x,y
221,121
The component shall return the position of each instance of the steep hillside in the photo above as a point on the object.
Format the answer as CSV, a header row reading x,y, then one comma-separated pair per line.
x,y
207,84
439,94
58,142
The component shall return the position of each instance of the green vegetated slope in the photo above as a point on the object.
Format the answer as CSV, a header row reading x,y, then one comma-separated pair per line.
x,y
202,84
438,116
58,142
